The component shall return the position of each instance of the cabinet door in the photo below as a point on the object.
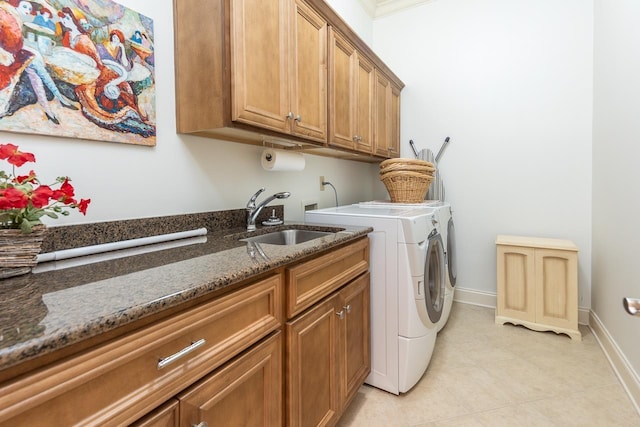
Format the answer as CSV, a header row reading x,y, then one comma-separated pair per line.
x,y
394,117
382,109
516,283
355,341
312,395
342,118
309,73
365,77
557,287
260,64
245,392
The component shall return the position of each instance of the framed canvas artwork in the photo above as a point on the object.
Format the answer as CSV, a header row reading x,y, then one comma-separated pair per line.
x,y
77,68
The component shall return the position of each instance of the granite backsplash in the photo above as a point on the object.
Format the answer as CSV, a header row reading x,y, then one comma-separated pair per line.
x,y
73,236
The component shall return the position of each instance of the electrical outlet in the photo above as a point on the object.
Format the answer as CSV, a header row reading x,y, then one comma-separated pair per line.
x,y
321,183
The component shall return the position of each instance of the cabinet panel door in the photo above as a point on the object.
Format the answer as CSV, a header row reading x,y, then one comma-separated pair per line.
x,y
364,105
394,125
245,392
259,63
355,341
557,299
312,395
382,109
516,282
309,73
342,57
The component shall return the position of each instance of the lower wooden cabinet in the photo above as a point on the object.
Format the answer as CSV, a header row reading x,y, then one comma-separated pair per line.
x,y
242,393
328,356
221,362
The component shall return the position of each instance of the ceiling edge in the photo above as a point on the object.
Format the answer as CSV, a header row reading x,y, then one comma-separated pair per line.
x,y
387,7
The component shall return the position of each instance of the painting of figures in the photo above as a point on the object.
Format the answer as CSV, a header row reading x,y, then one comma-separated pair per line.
x,y
77,68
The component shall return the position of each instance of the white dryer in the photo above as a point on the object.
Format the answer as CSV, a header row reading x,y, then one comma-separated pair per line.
x,y
408,286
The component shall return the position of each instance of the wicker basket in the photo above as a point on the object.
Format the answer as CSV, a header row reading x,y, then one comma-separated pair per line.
x,y
399,162
429,170
406,186
18,252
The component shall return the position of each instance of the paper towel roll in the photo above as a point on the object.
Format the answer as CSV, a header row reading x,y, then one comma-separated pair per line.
x,y
281,160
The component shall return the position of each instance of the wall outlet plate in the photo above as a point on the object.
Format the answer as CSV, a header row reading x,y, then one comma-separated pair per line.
x,y
322,183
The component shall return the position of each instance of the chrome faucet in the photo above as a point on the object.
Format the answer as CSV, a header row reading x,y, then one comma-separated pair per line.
x,y
253,211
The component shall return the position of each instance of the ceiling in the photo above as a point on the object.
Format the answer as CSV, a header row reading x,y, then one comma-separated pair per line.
x,y
377,8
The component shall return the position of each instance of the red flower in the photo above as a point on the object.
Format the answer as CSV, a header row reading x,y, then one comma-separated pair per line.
x,y
26,178
11,153
23,201
41,195
13,198
83,205
65,193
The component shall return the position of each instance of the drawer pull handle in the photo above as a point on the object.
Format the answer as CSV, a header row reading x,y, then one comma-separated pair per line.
x,y
168,360
340,314
202,424
348,308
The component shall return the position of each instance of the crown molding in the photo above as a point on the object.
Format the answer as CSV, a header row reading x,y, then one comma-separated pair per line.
x,y
369,7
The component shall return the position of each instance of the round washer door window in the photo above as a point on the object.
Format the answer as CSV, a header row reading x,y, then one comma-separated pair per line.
x,y
434,278
452,266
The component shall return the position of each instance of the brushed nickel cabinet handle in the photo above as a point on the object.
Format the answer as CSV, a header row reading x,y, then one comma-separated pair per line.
x,y
168,360
340,314
298,118
348,308
290,115
202,424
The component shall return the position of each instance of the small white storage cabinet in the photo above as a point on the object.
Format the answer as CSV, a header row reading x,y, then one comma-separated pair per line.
x,y
538,284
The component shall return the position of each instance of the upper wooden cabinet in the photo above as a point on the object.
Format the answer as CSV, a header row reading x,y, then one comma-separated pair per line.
x,y
279,71
288,70
386,136
351,96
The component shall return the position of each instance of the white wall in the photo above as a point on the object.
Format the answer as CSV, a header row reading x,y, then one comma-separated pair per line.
x,y
510,81
356,16
182,173
616,132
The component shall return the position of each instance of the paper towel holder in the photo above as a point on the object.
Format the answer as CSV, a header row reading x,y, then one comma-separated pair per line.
x,y
280,144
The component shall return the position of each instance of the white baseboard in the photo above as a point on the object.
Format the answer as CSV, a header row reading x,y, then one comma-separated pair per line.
x,y
474,297
489,299
621,366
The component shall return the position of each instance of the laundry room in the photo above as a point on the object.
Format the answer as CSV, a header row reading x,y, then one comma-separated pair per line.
x,y
526,113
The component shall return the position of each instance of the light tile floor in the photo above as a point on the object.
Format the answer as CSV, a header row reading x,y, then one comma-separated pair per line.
x,y
483,374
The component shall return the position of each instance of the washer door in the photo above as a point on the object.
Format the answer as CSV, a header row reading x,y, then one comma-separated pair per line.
x,y
434,278
452,266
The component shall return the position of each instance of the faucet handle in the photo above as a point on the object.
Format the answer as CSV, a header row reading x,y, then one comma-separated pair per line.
x,y
252,201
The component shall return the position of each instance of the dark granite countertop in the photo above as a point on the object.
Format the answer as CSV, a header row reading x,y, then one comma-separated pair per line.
x,y
50,309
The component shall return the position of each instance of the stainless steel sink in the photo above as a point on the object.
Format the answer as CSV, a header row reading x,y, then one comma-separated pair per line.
x,y
287,237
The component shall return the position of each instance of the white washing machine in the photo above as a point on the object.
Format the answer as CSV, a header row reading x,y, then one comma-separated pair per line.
x,y
408,285
447,229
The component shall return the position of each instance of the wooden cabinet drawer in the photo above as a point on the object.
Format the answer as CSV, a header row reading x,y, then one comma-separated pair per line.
x,y
120,381
309,282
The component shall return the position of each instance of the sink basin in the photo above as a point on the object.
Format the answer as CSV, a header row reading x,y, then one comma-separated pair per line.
x,y
287,237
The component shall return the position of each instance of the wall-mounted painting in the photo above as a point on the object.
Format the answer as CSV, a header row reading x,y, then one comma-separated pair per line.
x,y
77,68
